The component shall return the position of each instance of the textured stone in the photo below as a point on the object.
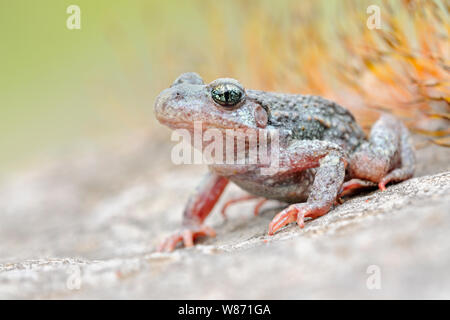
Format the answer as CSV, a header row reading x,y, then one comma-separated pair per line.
x,y
93,219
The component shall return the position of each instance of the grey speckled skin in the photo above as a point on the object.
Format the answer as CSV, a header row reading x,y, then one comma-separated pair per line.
x,y
322,150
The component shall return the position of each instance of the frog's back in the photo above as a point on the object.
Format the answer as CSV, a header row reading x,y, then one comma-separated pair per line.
x,y
310,117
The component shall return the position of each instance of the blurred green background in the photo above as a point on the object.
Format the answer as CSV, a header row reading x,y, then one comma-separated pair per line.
x,y
61,87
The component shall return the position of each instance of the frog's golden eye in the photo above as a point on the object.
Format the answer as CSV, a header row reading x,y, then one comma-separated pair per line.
x,y
227,94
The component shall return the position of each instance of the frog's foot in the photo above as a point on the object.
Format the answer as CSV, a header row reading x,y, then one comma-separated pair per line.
x,y
241,199
355,184
186,236
395,175
296,212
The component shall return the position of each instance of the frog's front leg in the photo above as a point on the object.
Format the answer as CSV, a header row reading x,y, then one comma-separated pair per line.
x,y
327,183
196,211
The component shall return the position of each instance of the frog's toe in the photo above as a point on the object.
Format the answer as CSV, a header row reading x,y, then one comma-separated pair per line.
x,y
298,212
233,201
169,243
396,175
186,236
283,218
355,184
258,206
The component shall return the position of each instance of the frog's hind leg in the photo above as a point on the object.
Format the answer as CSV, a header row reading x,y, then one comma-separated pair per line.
x,y
388,156
258,205
407,161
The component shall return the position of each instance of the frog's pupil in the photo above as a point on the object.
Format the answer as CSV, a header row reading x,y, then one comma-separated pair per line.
x,y
227,95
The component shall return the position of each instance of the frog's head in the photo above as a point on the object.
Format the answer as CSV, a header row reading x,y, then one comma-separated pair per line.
x,y
222,104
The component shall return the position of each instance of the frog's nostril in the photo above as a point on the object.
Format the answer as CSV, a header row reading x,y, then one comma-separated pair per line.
x,y
178,95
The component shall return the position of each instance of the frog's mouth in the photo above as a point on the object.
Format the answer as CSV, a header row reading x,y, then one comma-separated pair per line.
x,y
199,125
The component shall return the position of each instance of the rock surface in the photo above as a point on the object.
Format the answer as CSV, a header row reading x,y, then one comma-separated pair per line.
x,y
86,226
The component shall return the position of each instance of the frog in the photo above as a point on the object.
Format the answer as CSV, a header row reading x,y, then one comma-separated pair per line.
x,y
322,154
